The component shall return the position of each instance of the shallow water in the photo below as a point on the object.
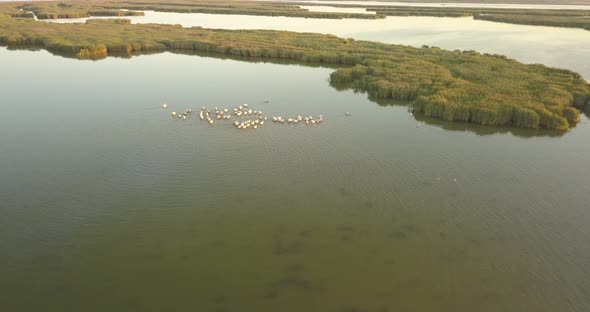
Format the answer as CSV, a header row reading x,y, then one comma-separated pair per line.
x,y
109,204
560,47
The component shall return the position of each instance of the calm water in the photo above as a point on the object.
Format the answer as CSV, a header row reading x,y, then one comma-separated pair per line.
x,y
109,204
560,47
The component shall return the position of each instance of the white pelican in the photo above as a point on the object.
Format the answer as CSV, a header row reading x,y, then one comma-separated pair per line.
x,y
173,114
165,105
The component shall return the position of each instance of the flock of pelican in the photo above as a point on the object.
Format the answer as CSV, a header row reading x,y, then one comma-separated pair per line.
x,y
256,117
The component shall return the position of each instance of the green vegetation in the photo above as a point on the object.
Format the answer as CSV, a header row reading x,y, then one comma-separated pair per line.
x,y
560,18
558,21
75,9
53,10
545,17
457,86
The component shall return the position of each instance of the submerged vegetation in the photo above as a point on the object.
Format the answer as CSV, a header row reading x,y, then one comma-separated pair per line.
x,y
448,85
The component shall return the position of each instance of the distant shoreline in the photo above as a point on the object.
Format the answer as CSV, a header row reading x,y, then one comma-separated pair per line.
x,y
539,2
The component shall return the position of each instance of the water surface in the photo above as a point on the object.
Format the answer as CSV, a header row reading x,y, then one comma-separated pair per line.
x,y
109,204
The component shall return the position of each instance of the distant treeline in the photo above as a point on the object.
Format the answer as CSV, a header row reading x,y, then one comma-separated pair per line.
x,y
449,85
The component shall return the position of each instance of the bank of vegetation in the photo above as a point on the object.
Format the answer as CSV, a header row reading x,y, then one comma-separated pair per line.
x,y
448,85
558,18
76,9
55,10
555,21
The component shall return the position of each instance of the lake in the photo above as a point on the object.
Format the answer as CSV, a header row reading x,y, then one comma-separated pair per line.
x,y
110,204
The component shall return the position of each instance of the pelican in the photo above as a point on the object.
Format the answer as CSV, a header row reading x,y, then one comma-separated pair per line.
x,y
255,126
347,113
274,118
173,114
184,117
165,105
245,105
240,107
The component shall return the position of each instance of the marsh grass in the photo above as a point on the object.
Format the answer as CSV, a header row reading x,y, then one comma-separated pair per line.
x,y
448,85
